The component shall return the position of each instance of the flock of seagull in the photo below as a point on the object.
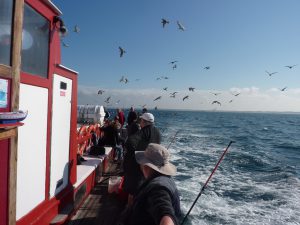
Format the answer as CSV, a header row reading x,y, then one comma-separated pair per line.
x,y
125,80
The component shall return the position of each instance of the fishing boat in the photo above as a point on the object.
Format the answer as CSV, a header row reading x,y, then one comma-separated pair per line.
x,y
41,181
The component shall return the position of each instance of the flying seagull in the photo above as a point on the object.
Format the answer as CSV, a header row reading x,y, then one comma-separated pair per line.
x,y
124,79
100,92
155,108
175,92
185,97
270,74
237,94
172,62
76,29
122,51
290,67
231,101
174,66
164,22
191,89
64,44
216,102
159,97
283,89
165,89
216,94
107,100
206,67
180,26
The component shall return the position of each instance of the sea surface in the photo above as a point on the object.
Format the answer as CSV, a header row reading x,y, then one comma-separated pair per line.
x,y
258,181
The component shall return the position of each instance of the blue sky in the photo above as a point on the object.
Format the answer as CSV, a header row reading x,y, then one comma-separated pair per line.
x,y
239,40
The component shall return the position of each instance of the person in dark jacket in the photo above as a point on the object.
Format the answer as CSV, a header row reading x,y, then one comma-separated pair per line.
x,y
157,201
133,176
132,116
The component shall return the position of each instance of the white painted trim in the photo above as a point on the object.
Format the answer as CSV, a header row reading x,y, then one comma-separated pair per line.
x,y
54,7
86,168
66,68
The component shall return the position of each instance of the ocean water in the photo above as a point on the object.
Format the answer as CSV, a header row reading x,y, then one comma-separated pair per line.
x,y
258,181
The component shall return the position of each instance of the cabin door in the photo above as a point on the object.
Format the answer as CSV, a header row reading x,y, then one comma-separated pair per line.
x,y
60,134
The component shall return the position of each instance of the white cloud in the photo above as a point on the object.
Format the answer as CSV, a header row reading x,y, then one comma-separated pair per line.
x,y
250,99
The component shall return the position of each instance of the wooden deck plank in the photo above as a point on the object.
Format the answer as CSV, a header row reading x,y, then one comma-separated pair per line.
x,y
100,207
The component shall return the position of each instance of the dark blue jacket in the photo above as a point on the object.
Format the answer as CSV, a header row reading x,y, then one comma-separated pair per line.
x,y
157,197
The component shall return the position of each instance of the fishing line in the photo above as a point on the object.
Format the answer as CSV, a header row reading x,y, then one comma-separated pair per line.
x,y
204,186
173,138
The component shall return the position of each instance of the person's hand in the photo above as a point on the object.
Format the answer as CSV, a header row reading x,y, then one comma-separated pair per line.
x,y
166,220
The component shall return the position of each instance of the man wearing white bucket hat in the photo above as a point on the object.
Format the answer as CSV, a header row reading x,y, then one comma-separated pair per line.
x,y
157,201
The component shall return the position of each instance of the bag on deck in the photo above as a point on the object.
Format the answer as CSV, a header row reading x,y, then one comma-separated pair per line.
x,y
97,150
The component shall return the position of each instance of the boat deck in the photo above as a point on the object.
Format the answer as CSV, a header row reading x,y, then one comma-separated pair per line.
x,y
100,207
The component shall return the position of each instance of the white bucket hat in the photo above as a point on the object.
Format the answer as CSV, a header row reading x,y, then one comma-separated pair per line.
x,y
148,117
157,157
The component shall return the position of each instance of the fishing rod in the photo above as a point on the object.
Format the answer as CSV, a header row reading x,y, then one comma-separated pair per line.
x,y
173,138
204,186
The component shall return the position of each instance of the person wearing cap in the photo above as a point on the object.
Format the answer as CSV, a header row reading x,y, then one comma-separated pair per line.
x,y
157,201
133,176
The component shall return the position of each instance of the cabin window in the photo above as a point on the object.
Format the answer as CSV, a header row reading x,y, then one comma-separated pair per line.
x,y
35,43
6,12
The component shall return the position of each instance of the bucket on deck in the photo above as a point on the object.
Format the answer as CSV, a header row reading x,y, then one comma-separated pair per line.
x,y
113,184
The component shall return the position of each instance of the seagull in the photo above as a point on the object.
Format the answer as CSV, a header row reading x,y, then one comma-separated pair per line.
x,y
76,29
283,89
231,101
158,78
207,68
164,22
117,102
185,97
122,79
174,67
172,95
191,89
216,94
237,94
64,44
180,26
216,102
100,92
172,62
166,78
290,67
270,74
165,89
155,108
159,97
122,51
107,100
